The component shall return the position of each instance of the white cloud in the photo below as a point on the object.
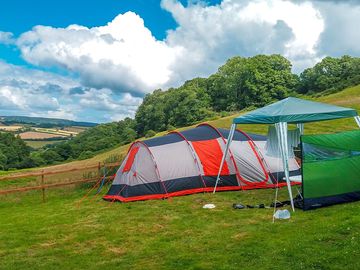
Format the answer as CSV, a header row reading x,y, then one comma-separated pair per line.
x,y
6,38
20,99
103,100
211,34
37,93
62,113
117,63
122,55
30,90
341,34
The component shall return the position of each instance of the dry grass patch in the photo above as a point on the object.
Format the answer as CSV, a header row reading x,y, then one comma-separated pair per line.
x,y
10,128
38,135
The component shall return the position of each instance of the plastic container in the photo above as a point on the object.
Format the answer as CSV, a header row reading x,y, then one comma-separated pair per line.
x,y
282,214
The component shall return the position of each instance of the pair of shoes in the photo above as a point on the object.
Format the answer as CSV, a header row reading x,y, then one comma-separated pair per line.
x,y
261,205
238,206
277,204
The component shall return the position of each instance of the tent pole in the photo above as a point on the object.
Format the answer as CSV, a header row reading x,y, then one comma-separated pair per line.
x,y
357,120
229,140
300,126
281,129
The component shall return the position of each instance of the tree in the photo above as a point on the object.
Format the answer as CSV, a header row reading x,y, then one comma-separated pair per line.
x,y
50,156
3,161
128,135
253,81
14,153
150,114
331,74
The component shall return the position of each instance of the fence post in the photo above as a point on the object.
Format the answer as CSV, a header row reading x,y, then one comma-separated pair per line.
x,y
99,168
42,183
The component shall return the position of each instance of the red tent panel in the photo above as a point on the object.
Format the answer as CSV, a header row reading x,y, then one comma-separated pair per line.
x,y
130,160
210,155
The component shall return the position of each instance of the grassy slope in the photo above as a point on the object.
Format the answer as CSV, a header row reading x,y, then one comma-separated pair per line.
x,y
178,233
349,97
39,144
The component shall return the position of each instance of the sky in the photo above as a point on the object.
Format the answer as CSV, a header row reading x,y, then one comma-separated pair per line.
x,y
96,60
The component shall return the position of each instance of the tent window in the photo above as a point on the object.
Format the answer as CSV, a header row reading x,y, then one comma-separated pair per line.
x,y
210,155
130,159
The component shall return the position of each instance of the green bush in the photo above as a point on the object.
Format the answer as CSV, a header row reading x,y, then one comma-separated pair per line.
x,y
14,153
170,128
85,155
150,133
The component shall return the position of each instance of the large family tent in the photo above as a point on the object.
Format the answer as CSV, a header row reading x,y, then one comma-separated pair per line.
x,y
290,110
187,162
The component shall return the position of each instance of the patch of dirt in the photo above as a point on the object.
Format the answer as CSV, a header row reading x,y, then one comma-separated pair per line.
x,y
47,244
240,235
117,250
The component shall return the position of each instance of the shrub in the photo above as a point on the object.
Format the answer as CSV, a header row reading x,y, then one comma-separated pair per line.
x,y
150,133
170,128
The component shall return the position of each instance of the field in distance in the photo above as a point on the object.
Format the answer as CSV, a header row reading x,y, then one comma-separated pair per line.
x,y
40,137
38,132
38,144
34,135
10,128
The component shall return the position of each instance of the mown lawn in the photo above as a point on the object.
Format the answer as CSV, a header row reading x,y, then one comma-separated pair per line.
x,y
173,234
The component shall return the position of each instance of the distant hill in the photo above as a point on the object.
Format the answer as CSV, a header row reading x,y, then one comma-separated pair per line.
x,y
42,121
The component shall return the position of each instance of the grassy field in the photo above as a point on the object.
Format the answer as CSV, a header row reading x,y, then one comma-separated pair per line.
x,y
39,144
177,233
56,131
38,135
10,128
173,234
75,129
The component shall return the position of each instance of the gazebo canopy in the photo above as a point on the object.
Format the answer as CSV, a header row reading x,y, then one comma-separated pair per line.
x,y
295,110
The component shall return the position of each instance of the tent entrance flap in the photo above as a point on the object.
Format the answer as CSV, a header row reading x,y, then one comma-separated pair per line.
x,y
281,129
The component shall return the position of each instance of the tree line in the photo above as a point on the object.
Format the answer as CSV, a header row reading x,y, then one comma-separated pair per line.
x,y
240,83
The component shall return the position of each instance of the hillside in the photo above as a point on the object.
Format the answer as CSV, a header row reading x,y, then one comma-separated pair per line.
x,y
43,121
242,83
349,97
178,233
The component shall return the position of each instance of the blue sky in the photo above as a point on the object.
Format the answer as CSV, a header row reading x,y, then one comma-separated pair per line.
x,y
88,13
95,60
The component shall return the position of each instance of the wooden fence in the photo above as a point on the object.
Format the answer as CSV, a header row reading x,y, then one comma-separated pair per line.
x,y
69,181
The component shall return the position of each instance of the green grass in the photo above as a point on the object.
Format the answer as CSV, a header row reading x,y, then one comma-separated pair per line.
x,y
173,234
39,144
177,233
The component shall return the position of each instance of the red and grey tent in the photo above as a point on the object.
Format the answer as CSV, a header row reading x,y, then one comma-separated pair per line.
x,y
187,162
